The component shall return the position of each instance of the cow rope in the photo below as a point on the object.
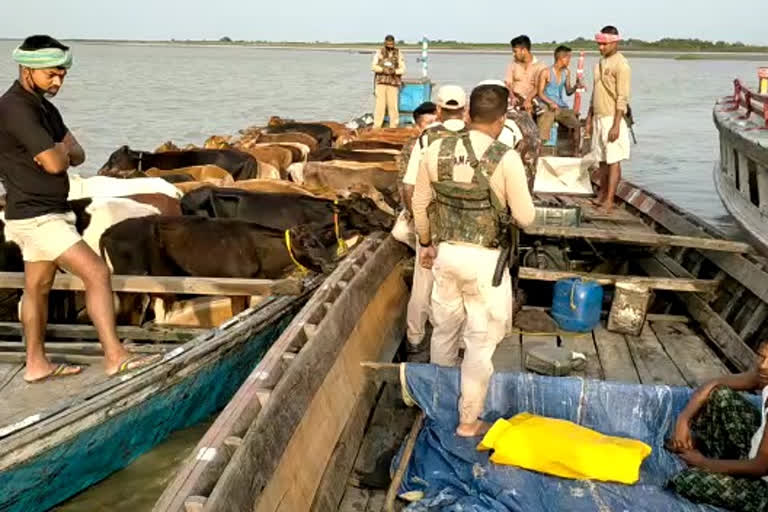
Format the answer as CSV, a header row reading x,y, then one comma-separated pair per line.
x,y
302,268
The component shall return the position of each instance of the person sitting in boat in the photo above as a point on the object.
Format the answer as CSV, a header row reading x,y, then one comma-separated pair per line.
x,y
554,84
463,250
721,436
451,106
522,73
389,68
36,149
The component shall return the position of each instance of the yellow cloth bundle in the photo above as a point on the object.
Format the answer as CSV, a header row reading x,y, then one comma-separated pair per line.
x,y
564,449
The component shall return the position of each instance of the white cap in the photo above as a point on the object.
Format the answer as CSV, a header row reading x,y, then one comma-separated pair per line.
x,y
491,82
451,97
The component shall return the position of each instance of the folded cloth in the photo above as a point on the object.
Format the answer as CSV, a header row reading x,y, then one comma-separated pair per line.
x,y
43,58
565,449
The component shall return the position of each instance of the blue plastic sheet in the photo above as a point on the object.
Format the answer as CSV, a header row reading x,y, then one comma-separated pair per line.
x,y
456,477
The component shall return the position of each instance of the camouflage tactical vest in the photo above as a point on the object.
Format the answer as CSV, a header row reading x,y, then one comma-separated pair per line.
x,y
393,56
468,212
404,158
437,132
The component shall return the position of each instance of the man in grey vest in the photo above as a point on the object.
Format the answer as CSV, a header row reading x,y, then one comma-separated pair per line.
x,y
469,188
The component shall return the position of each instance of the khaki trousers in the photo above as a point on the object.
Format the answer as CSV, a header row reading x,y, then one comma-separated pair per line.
x,y
419,308
564,116
387,97
463,295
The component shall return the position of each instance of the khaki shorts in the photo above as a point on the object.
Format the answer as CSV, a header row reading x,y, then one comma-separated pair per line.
x,y
43,238
609,152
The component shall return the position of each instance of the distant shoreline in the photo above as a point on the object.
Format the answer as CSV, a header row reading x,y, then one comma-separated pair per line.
x,y
742,53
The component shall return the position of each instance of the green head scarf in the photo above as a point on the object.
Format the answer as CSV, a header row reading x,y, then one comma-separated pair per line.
x,y
43,58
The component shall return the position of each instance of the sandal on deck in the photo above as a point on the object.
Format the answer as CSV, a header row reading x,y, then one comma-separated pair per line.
x,y
62,370
136,362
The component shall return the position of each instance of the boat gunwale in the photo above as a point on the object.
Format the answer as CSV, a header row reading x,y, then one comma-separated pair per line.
x,y
368,270
175,366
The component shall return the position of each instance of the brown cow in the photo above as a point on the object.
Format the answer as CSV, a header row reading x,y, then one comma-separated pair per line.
x,y
358,145
297,150
338,129
275,156
167,205
197,172
277,138
396,135
263,185
167,146
369,180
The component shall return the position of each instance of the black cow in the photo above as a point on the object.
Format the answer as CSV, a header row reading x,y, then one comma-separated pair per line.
x,y
319,132
10,254
283,211
326,154
241,166
201,247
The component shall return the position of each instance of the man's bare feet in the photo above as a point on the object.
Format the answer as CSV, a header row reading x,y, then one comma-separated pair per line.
x,y
605,208
42,372
133,362
597,202
475,429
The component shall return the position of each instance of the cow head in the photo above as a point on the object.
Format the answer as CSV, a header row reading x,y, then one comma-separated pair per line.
x,y
314,246
218,142
361,214
121,163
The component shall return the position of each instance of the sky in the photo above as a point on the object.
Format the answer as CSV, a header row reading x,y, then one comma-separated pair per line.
x,y
366,20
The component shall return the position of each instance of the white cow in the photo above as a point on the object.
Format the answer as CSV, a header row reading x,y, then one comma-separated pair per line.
x,y
103,186
105,212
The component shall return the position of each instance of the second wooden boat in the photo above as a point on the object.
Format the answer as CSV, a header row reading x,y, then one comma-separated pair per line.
x,y
305,431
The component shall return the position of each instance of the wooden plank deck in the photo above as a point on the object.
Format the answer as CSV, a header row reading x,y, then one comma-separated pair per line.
x,y
22,401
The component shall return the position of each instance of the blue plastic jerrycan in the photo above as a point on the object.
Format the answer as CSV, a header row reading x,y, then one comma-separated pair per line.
x,y
576,304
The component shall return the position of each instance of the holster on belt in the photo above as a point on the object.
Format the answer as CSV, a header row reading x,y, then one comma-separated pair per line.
x,y
507,256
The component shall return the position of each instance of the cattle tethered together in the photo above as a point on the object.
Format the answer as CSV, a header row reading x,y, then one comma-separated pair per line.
x,y
272,201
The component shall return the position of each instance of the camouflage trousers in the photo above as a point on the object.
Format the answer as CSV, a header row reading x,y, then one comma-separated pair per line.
x,y
723,430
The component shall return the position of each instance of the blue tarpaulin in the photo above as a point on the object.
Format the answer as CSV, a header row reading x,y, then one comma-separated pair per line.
x,y
454,476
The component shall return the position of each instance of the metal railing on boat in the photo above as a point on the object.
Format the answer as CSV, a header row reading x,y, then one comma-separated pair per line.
x,y
752,101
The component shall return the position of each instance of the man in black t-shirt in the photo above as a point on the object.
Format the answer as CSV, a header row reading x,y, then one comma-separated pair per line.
x,y
36,149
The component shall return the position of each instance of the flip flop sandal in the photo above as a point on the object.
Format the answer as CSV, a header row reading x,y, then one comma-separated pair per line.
x,y
135,363
62,370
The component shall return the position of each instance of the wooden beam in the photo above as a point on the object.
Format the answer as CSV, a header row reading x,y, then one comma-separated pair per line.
x,y
88,332
171,284
742,269
331,489
695,360
615,358
382,372
722,334
657,283
626,236
92,348
653,364
313,400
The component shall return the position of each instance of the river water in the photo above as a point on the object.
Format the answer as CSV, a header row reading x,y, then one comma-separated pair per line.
x,y
143,95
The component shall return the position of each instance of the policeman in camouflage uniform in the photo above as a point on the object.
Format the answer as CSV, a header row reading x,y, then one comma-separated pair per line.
x,y
471,194
389,67
451,105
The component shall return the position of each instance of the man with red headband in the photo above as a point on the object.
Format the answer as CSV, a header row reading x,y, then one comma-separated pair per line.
x,y
606,119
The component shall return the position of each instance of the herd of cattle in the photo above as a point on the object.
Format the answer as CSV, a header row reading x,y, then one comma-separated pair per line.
x,y
226,209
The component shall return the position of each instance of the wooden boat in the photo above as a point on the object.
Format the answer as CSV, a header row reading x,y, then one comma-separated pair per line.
x,y
308,429
741,175
59,437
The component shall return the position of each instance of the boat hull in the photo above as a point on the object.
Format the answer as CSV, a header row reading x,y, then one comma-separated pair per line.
x,y
747,215
89,455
